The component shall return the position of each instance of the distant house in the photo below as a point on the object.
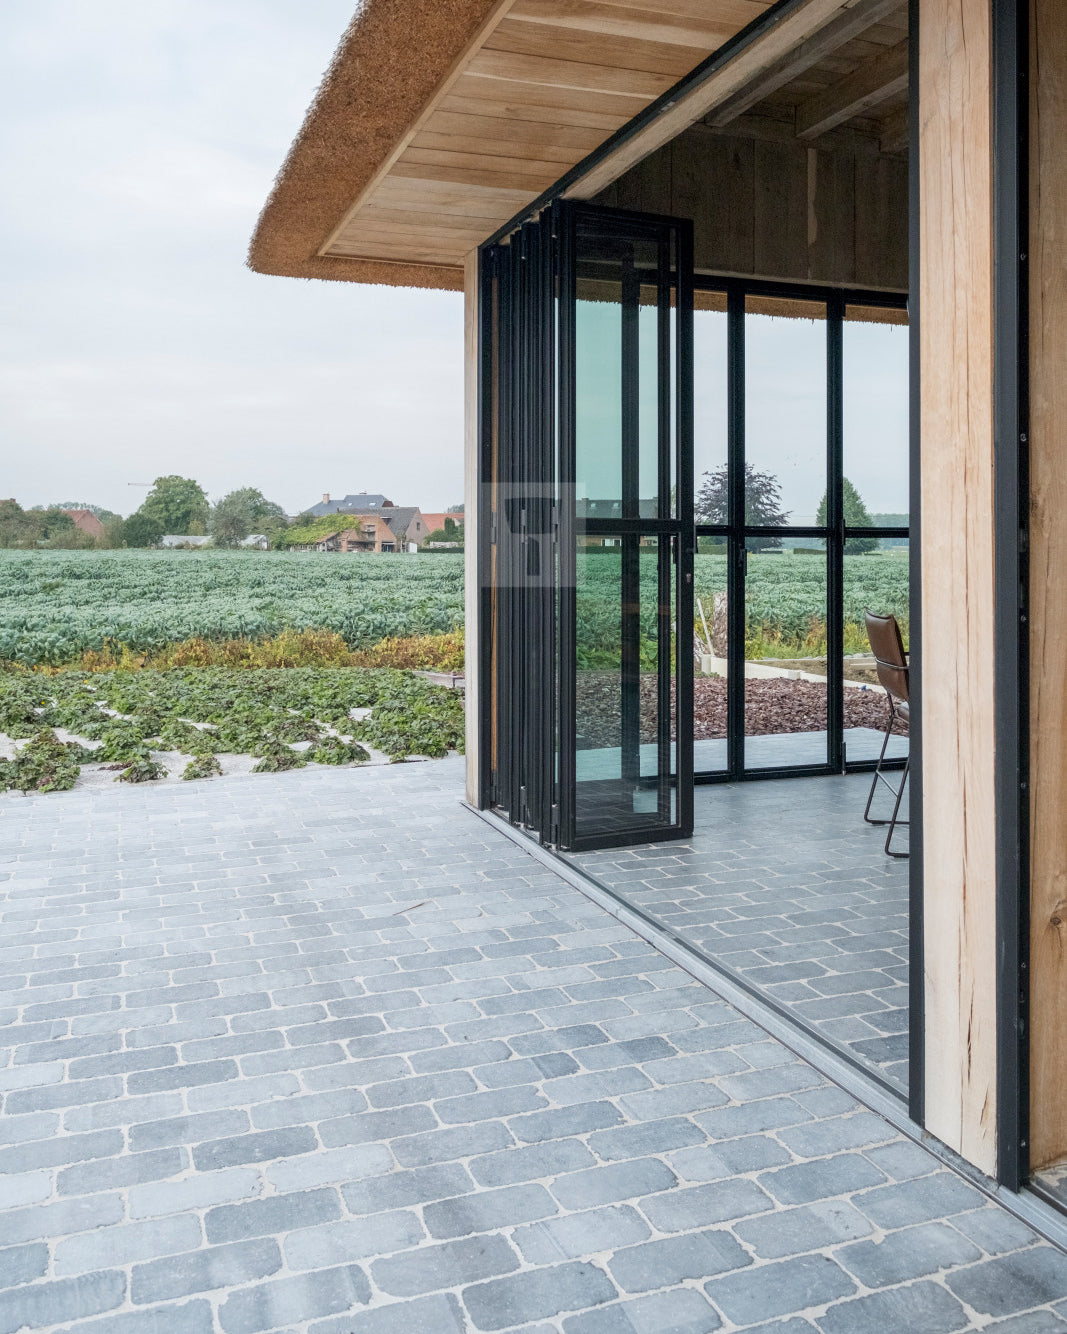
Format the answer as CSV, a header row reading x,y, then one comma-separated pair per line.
x,y
434,522
172,540
86,521
365,500
391,528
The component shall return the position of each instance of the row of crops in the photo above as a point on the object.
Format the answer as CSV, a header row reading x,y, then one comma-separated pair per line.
x,y
284,719
785,601
56,605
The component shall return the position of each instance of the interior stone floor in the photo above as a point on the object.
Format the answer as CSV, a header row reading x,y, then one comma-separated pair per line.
x,y
784,885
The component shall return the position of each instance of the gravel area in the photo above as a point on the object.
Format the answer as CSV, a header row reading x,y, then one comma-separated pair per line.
x,y
772,707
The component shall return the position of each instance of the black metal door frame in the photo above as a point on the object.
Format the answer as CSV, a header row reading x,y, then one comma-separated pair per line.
x,y
737,533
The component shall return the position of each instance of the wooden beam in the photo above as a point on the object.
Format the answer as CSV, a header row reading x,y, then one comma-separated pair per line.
x,y
845,28
959,744
749,65
471,505
893,136
1048,575
875,80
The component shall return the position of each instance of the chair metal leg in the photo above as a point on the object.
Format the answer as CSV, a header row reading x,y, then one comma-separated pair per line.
x,y
895,823
879,776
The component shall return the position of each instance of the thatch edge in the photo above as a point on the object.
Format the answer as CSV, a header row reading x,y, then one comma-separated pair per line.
x,y
377,85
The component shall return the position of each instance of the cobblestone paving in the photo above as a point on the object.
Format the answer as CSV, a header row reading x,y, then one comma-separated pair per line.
x,y
784,884
322,1052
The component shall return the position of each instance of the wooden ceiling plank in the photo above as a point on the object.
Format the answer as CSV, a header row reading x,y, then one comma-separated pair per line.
x,y
592,16
504,180
477,200
405,254
537,116
531,98
500,130
865,87
594,48
507,149
735,14
447,221
521,169
568,74
809,53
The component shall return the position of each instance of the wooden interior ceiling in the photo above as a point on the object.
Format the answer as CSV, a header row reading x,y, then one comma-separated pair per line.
x,y
547,81
861,84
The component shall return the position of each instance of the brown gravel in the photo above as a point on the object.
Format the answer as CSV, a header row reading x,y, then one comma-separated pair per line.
x,y
771,707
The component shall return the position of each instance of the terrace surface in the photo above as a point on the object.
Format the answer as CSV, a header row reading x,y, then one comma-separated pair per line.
x,y
323,1052
784,885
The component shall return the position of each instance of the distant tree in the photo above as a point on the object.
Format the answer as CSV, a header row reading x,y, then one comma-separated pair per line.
x,y
104,515
231,520
38,527
176,505
856,516
142,530
763,500
454,509
264,512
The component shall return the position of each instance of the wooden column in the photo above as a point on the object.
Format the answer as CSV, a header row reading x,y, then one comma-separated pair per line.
x,y
1048,580
956,327
470,515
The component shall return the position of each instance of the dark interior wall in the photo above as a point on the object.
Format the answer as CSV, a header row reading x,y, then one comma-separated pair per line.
x,y
766,205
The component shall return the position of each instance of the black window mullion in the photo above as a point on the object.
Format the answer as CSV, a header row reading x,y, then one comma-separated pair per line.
x,y
735,505
835,537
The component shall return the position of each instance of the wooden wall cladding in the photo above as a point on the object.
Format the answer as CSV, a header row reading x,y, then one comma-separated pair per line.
x,y
765,204
1048,566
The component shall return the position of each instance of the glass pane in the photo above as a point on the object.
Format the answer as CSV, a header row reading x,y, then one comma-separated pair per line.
x,y
710,567
785,655
785,412
710,404
623,724
619,391
876,403
874,580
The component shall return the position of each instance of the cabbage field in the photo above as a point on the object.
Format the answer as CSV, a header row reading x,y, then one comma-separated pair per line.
x,y
785,601
55,605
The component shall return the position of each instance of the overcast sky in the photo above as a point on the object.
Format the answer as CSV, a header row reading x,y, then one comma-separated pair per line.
x,y
139,141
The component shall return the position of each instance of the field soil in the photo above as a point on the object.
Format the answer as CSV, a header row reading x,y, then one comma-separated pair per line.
x,y
771,708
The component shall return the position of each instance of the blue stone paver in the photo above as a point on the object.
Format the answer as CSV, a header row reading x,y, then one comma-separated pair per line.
x,y
322,1053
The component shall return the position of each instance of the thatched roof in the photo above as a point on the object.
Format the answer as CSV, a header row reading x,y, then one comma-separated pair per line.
x,y
440,120
390,61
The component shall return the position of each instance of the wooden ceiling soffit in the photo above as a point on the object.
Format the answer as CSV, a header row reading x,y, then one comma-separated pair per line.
x,y
815,29
847,25
873,82
540,86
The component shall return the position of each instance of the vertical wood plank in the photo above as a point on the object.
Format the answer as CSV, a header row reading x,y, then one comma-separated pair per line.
x,y
471,482
1048,577
956,302
832,205
881,221
781,207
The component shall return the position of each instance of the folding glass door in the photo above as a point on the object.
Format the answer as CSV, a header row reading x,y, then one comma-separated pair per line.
x,y
588,498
